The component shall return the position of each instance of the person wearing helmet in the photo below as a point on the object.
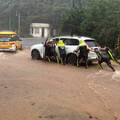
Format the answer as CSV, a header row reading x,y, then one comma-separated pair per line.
x,y
83,53
62,52
52,48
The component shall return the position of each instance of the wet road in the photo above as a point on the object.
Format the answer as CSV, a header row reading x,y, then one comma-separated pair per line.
x,y
39,90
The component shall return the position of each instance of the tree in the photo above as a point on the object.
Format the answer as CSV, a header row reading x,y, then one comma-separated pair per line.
x,y
100,20
45,11
71,21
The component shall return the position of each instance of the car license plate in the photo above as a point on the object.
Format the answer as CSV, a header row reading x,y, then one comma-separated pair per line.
x,y
4,44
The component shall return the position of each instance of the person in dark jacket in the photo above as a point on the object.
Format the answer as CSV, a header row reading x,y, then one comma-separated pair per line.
x,y
50,51
83,53
62,52
103,57
47,51
112,56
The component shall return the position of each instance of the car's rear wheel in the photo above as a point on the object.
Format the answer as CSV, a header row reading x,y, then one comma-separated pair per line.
x,y
35,54
72,59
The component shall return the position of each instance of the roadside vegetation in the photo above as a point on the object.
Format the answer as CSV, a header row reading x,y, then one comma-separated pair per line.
x,y
99,19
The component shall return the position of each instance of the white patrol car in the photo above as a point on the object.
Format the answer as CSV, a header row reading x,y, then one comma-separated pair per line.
x,y
71,43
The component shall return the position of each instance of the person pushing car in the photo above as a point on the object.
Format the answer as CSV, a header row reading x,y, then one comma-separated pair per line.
x,y
50,51
83,53
62,52
103,57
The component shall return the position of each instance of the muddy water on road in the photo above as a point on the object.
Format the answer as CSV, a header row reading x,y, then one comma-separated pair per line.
x,y
33,90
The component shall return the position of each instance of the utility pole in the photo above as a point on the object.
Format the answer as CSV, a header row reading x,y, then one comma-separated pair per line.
x,y
80,3
19,25
10,19
73,3
51,2
19,17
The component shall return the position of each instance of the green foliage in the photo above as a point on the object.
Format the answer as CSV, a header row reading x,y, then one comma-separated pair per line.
x,y
103,21
100,20
45,11
71,21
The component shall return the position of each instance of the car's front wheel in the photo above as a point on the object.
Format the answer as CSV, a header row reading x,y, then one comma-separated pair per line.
x,y
15,50
72,59
35,54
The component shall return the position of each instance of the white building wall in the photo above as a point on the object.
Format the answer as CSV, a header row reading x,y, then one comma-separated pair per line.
x,y
33,30
38,33
46,32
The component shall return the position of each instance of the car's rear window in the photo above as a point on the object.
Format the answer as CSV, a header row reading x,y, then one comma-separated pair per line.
x,y
68,41
92,43
4,39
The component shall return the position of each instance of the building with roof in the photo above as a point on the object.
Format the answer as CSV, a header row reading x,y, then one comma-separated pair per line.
x,y
41,30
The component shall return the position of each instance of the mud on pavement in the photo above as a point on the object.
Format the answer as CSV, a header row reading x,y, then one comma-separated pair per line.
x,y
39,90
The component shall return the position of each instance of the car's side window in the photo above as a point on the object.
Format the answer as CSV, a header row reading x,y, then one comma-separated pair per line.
x,y
55,40
66,41
16,38
12,39
74,41
69,41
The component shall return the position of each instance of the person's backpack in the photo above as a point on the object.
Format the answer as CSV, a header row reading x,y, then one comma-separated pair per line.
x,y
62,49
83,50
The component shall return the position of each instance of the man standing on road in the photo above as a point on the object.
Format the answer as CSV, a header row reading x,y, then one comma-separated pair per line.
x,y
83,53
